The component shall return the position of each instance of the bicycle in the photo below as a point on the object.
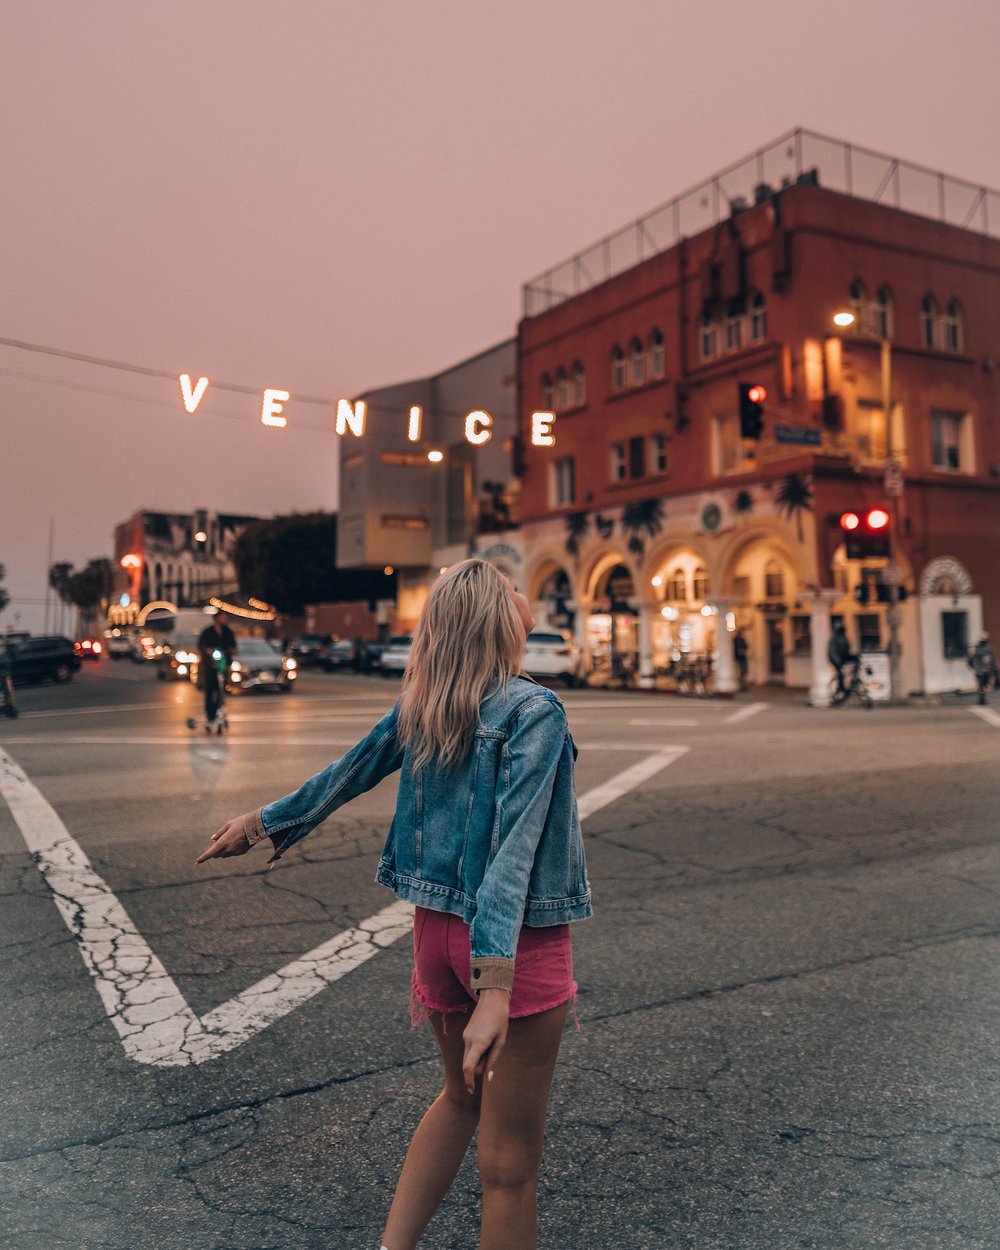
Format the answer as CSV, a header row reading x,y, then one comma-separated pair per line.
x,y
856,687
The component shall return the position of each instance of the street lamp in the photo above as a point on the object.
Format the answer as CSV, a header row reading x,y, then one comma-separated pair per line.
x,y
893,486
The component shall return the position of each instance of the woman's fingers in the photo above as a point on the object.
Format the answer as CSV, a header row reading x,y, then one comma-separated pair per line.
x,y
229,840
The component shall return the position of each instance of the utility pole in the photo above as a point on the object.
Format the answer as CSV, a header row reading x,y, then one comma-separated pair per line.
x,y
892,574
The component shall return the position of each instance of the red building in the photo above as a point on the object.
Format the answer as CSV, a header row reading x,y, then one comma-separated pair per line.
x,y
655,526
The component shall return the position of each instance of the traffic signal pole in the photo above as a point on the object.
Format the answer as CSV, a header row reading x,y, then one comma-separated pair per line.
x,y
893,573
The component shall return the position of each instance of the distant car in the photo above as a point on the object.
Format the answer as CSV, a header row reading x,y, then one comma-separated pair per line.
x,y
180,660
396,655
48,658
371,655
259,664
118,643
310,649
150,647
343,653
89,648
550,654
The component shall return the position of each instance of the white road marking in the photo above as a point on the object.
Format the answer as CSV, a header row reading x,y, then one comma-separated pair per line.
x,y
744,713
94,711
665,724
176,740
151,1015
987,714
601,796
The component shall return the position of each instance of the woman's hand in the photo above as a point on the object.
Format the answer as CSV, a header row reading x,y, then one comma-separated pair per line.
x,y
229,840
485,1035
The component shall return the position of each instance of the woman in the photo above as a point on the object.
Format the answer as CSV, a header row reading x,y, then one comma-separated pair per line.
x,y
486,843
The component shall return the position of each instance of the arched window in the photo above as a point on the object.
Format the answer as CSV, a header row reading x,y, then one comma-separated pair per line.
x,y
699,583
882,318
579,383
951,326
617,368
657,362
928,321
677,585
562,389
858,296
638,362
774,580
734,325
709,337
546,393
758,318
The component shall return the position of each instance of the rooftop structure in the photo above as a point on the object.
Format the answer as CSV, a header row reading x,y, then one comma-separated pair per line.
x,y
800,156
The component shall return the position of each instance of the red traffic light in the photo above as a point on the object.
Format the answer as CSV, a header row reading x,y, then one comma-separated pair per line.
x,y
850,521
877,519
757,394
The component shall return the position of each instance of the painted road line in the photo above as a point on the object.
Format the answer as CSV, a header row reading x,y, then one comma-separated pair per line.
x,y
601,796
151,1015
666,724
96,711
196,736
988,715
744,713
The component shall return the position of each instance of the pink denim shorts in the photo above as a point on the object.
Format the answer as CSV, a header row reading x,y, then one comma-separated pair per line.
x,y
543,967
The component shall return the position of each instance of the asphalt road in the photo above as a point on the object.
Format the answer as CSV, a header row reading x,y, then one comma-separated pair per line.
x,y
789,1003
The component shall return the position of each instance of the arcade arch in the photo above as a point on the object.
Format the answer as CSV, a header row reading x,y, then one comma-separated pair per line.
x,y
765,579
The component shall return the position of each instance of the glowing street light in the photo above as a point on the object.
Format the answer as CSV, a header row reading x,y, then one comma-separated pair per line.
x,y
843,319
435,457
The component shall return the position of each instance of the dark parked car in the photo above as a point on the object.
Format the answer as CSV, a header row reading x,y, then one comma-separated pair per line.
x,y
310,649
343,654
49,658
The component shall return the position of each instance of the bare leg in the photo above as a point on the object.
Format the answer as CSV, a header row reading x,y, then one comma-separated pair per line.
x,y
439,1145
512,1129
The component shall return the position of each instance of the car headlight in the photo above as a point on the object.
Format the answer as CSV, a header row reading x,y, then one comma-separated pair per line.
x,y
237,666
290,664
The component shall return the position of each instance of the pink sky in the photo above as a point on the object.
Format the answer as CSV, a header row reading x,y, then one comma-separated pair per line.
x,y
327,197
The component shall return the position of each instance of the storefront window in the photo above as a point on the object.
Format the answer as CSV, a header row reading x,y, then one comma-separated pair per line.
x,y
699,588
774,580
869,631
955,633
677,585
801,635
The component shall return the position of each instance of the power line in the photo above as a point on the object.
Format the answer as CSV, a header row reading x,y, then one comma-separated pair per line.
x,y
240,389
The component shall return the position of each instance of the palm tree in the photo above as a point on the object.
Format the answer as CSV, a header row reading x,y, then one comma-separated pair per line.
x,y
642,518
795,497
743,503
604,525
577,525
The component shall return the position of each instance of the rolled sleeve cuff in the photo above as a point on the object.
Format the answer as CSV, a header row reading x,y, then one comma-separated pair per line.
x,y
490,972
253,827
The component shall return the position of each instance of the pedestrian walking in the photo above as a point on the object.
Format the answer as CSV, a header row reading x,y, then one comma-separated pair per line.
x,y
486,843
740,655
983,662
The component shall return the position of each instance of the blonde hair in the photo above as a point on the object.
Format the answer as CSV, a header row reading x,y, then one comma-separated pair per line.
x,y
469,638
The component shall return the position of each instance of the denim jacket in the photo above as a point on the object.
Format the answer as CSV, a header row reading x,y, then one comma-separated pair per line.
x,y
495,840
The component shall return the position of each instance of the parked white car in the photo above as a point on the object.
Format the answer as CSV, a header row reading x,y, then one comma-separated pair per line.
x,y
396,655
551,654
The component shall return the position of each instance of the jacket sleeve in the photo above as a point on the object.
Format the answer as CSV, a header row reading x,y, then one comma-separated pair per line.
x,y
533,753
288,820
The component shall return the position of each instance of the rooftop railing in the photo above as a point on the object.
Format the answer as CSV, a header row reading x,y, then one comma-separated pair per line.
x,y
798,156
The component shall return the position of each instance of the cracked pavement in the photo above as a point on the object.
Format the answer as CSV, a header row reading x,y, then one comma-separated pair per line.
x,y
789,1002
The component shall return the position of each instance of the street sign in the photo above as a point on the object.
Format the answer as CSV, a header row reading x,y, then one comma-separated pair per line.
x,y
807,435
893,478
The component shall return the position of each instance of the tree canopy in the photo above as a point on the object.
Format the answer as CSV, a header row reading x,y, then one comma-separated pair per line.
x,y
291,561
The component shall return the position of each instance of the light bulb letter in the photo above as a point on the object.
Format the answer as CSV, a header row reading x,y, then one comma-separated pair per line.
x,y
416,421
351,417
270,413
541,429
192,398
478,427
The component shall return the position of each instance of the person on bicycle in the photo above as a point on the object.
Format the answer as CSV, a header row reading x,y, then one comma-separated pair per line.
x,y
983,662
216,637
840,655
